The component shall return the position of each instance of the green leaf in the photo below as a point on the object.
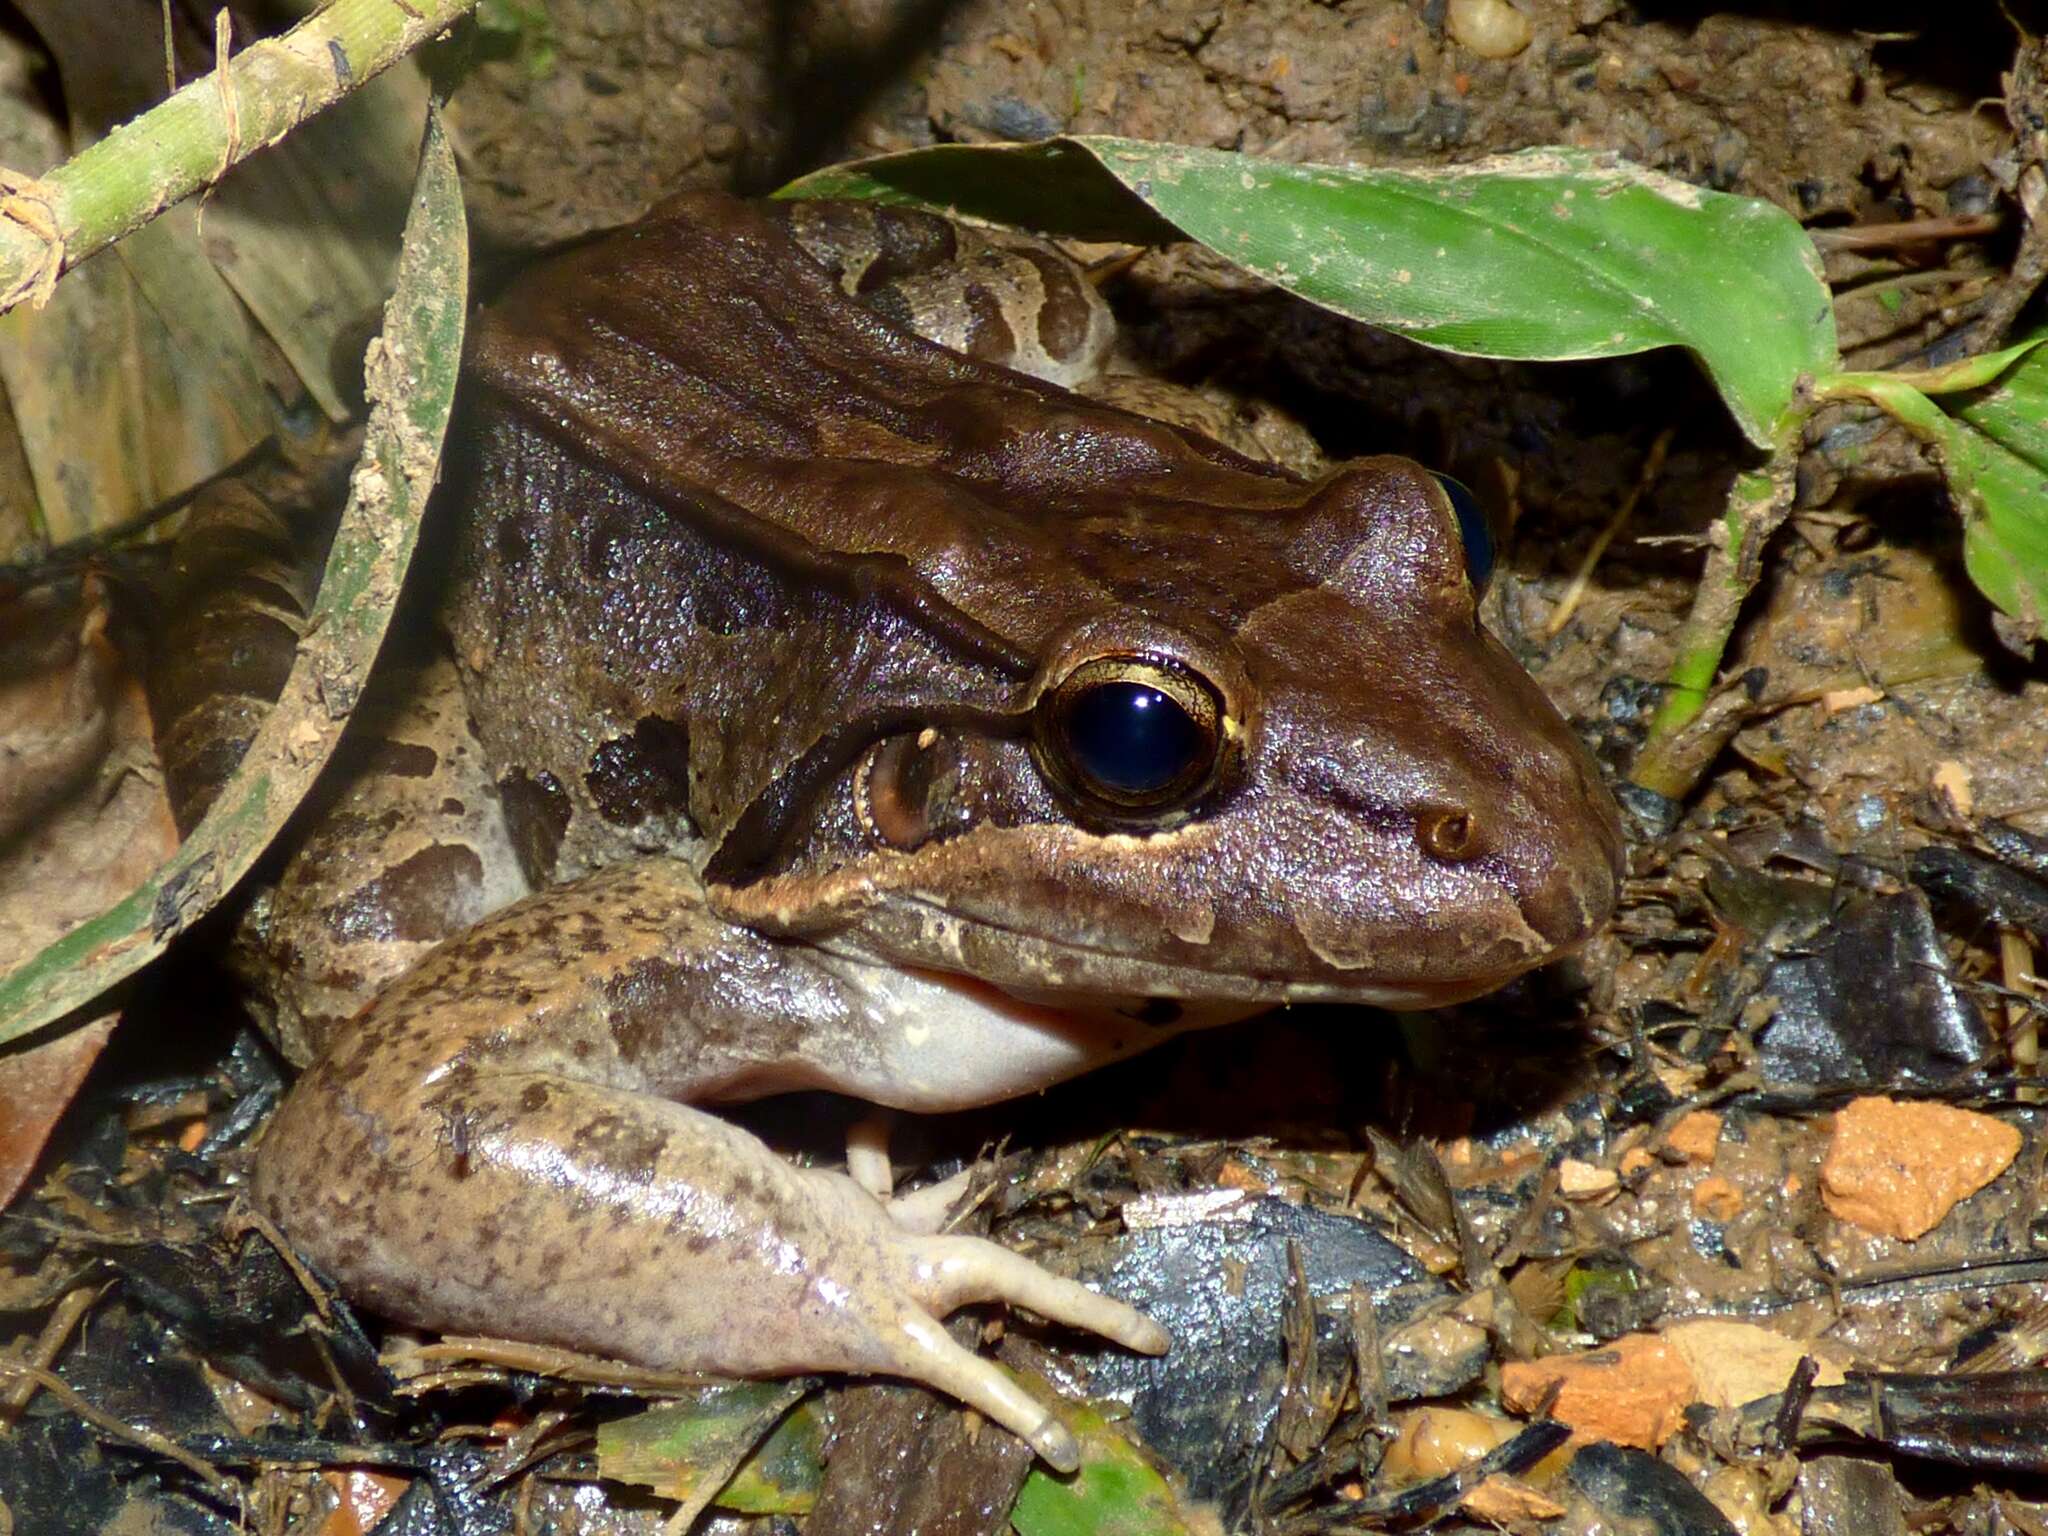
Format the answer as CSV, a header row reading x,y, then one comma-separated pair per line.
x,y
2004,490
518,29
1587,1280
1994,455
723,1444
1958,377
782,1476
1545,255
1115,1492
412,388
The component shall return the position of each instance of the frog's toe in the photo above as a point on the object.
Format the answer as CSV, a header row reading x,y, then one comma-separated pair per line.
x,y
954,1270
925,1210
930,1355
867,1154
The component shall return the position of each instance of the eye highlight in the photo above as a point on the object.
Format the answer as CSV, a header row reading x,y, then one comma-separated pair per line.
x,y
1132,736
1473,529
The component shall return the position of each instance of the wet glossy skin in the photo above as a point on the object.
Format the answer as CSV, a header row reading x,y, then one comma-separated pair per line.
x,y
764,610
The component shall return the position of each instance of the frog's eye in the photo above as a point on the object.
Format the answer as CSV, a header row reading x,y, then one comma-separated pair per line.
x,y
1473,529
1133,735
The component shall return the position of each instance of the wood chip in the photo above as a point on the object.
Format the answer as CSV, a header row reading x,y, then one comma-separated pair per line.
x,y
1508,1501
1951,780
1838,699
1577,1180
1735,1363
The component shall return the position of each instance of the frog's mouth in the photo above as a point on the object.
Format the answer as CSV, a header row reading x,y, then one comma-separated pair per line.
x,y
1075,976
1071,920
944,1040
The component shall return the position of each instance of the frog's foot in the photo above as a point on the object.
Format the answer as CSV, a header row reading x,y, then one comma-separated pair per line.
x,y
951,1270
926,1210
623,1224
867,1164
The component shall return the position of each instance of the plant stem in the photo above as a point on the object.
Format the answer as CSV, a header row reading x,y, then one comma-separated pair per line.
x,y
189,141
1673,757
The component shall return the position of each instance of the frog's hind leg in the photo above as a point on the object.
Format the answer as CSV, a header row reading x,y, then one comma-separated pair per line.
x,y
502,1144
641,1229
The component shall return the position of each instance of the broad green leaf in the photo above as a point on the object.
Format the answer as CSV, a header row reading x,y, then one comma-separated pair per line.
x,y
1116,1491
691,1449
412,382
1545,255
1994,455
782,1476
2005,501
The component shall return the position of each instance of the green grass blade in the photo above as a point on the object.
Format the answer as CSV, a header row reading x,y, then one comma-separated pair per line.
x,y
412,384
1546,255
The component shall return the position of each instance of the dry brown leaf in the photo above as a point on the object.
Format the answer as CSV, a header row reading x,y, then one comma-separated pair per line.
x,y
82,811
37,1085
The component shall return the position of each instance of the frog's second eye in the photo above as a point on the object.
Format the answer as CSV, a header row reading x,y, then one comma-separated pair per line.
x,y
1134,736
1473,529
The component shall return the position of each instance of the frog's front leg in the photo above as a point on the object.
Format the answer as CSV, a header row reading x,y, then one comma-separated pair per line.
x,y
500,1145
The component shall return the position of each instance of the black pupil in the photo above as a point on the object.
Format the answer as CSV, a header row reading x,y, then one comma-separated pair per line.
x,y
1131,739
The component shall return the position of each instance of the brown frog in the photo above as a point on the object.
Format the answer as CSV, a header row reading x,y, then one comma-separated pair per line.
x,y
871,717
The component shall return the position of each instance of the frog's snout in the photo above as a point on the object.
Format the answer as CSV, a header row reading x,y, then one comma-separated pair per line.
x,y
1556,848
1568,890
1575,900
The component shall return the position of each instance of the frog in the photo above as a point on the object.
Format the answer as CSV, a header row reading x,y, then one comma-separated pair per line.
x,y
865,715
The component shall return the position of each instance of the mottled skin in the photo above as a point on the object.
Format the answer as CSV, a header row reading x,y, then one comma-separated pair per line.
x,y
761,608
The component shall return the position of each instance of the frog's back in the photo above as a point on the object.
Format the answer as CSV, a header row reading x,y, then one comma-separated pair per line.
x,y
690,458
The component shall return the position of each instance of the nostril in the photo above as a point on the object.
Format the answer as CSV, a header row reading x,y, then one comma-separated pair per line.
x,y
1448,833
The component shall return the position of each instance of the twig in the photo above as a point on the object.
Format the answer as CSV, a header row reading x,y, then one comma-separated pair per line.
x,y
1879,237
1907,282
135,1434
1653,466
56,1329
50,224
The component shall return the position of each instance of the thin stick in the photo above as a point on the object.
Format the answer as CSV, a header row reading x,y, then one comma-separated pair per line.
x,y
1880,237
1669,763
120,1429
1653,466
56,1328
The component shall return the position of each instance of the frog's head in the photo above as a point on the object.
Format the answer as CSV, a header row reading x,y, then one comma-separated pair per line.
x,y
965,674
1275,759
